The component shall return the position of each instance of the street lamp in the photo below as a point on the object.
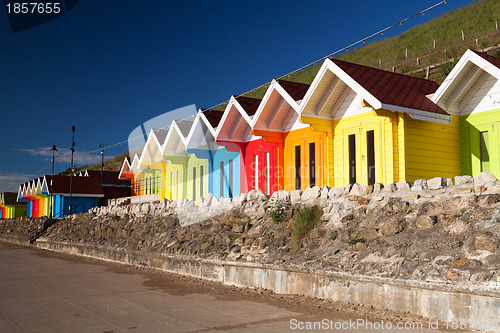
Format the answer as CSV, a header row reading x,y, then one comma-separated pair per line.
x,y
72,170
53,150
102,160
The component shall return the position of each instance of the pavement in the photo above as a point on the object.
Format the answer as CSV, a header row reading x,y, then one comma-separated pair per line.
x,y
42,291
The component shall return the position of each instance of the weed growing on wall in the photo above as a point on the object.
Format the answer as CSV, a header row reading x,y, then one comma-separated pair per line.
x,y
278,210
304,221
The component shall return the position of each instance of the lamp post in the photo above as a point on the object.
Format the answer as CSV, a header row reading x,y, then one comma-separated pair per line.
x,y
72,170
102,160
53,150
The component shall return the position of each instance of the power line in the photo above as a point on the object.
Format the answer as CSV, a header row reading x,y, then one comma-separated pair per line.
x,y
344,49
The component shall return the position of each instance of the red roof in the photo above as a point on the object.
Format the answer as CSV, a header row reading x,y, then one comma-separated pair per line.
x,y
393,88
10,199
81,185
296,90
249,104
494,60
108,177
213,116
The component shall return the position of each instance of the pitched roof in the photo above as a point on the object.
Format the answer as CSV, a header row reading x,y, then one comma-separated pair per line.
x,y
81,185
296,90
108,177
10,199
184,126
213,116
249,104
161,135
393,88
494,60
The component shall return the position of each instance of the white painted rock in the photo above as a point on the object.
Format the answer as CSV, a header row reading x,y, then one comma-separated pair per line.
x,y
256,195
419,185
311,193
358,190
295,196
347,189
240,199
283,195
484,179
436,183
460,180
208,200
377,187
391,187
324,192
449,182
225,201
215,202
189,204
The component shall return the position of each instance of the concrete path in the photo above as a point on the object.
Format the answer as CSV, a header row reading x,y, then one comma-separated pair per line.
x,y
41,292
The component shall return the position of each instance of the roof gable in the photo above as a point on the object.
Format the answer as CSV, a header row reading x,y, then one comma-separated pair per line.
x,y
236,123
125,169
279,108
152,151
135,164
213,116
175,143
202,134
474,77
340,86
8,199
20,192
296,90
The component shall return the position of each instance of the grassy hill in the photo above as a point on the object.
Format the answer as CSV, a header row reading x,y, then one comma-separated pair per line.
x,y
478,22
112,164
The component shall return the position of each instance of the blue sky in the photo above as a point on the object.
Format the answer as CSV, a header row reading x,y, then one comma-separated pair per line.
x,y
108,66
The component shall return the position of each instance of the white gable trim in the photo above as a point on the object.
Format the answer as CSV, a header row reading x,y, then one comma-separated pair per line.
x,y
274,86
124,164
151,138
174,130
469,56
243,114
329,65
199,117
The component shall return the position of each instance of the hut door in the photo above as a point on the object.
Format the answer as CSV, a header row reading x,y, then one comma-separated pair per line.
x,y
298,164
483,140
361,149
261,171
307,162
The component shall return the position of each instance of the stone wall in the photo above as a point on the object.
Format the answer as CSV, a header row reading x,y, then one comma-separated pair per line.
x,y
336,202
436,238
